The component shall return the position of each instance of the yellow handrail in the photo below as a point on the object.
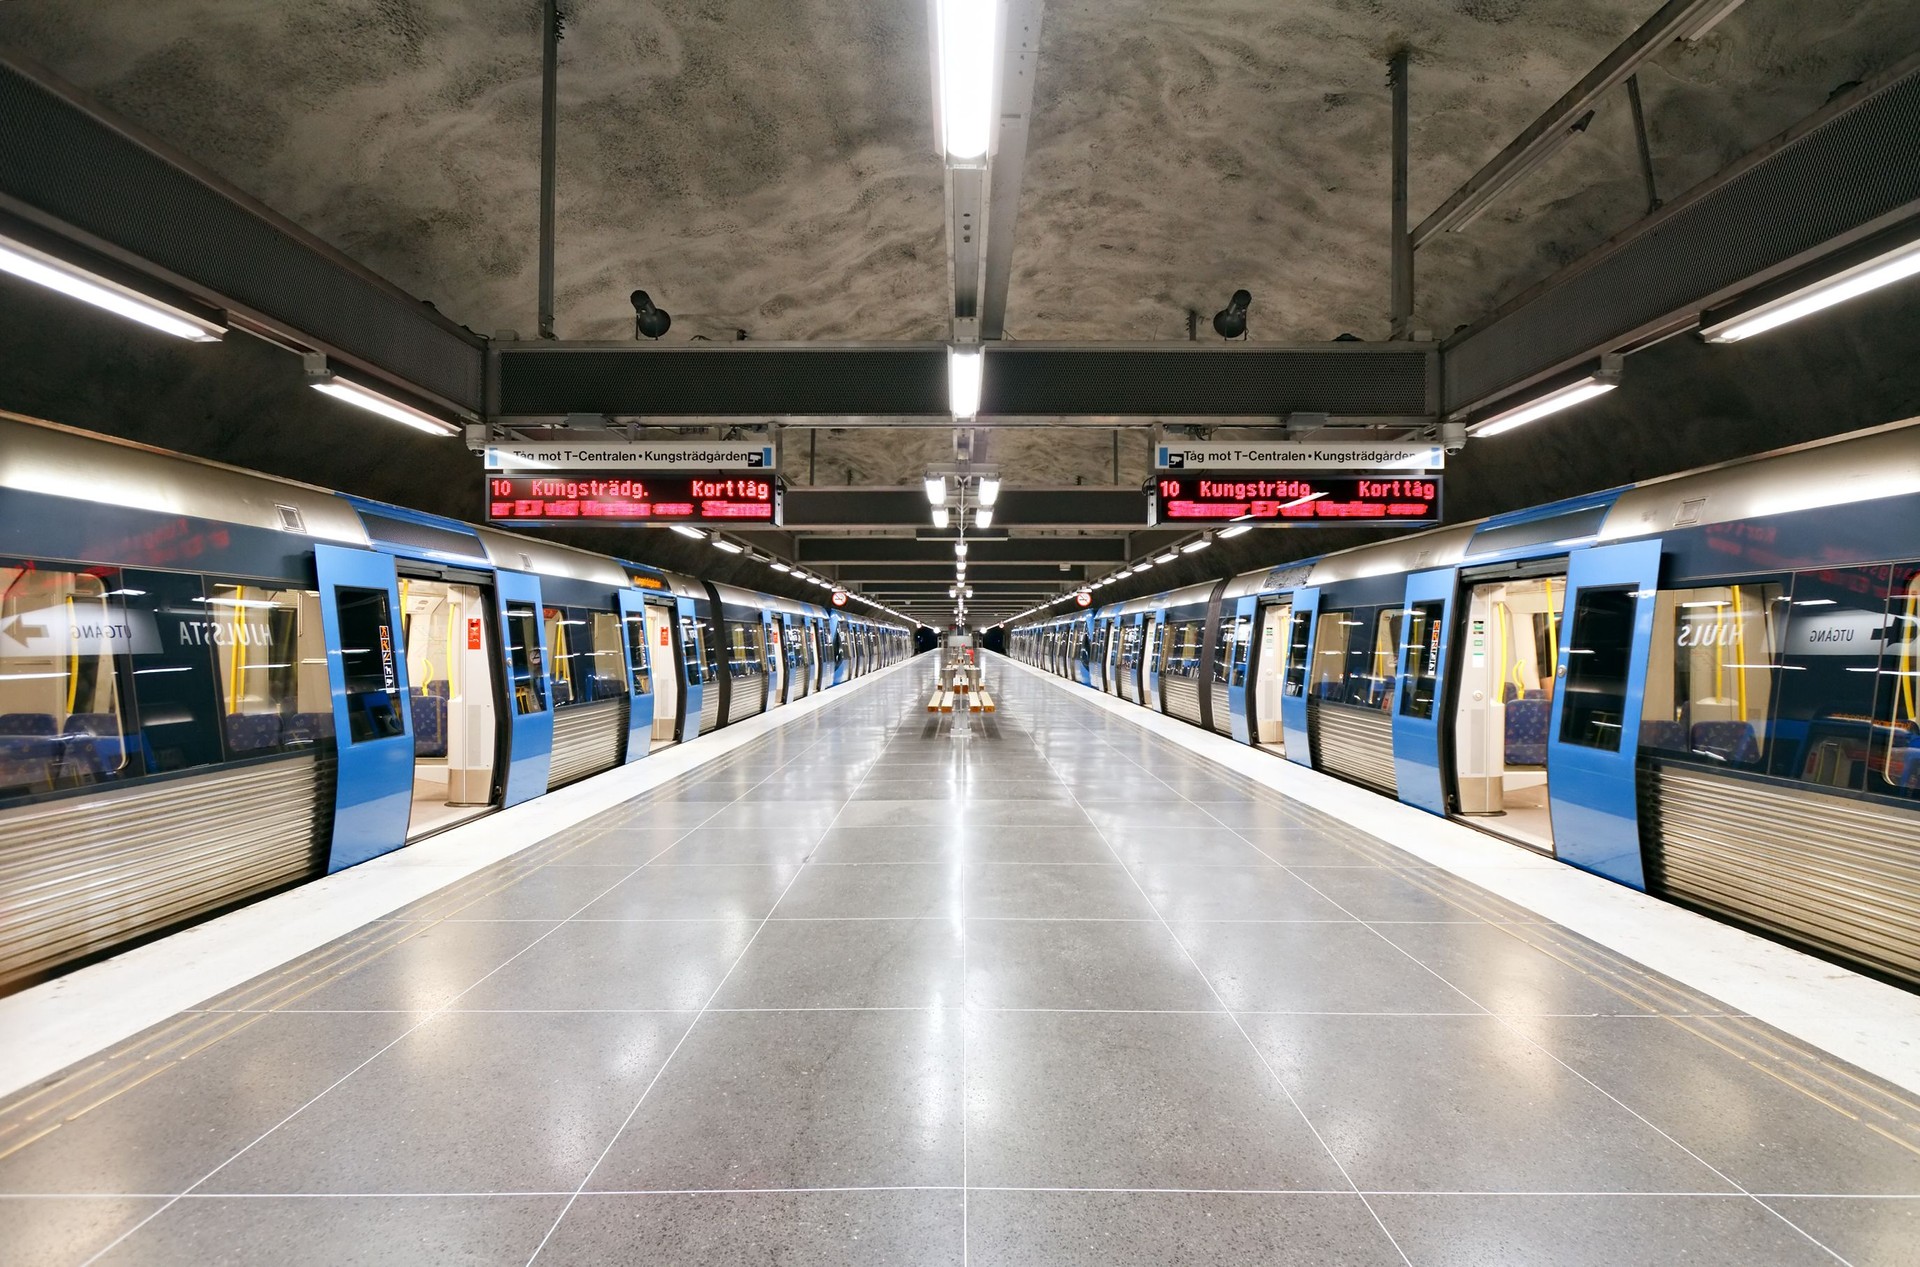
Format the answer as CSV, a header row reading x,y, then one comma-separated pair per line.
x,y
1740,650
236,658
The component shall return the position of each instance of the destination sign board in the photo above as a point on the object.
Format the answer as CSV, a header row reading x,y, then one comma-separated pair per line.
x,y
1294,500
1298,455
625,499
631,455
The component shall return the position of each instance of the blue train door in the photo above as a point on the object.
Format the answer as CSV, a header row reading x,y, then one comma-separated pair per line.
x,y
1150,660
1594,736
1424,625
1238,617
640,673
367,671
530,716
1293,698
692,658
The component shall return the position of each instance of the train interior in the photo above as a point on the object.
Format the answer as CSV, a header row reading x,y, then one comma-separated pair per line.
x,y
1271,676
452,691
1508,648
658,618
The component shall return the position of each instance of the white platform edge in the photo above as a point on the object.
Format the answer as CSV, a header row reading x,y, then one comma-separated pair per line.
x,y
47,1027
1865,1022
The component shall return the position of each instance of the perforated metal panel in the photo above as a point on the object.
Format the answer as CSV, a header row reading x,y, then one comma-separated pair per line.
x,y
1241,381
63,162
726,380
1833,180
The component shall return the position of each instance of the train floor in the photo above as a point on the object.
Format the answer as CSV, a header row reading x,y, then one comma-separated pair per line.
x,y
1057,992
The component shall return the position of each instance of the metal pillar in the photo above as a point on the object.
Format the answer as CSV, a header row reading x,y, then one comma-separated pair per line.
x,y
1402,314
549,145
1640,138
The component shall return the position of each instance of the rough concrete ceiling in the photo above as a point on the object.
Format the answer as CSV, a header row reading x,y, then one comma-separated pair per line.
x,y
769,166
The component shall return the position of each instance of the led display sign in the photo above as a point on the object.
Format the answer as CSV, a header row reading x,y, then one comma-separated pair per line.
x,y
1295,500
628,499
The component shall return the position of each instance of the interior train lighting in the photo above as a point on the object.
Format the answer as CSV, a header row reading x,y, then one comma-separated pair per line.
x,y
989,490
965,369
322,379
968,53
1882,270
983,517
936,486
56,274
685,531
721,543
1598,383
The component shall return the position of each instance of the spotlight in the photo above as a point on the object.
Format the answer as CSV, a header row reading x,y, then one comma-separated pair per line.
x,y
1231,321
649,320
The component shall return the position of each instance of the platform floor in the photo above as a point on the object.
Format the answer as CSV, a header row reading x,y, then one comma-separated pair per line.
x,y
1057,993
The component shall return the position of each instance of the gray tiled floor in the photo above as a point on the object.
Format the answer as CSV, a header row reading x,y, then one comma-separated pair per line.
x,y
1058,993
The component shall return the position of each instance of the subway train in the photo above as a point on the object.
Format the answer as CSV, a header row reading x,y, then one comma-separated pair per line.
x,y
1702,686
215,684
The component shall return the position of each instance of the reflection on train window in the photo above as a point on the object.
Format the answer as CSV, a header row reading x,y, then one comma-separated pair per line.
x,y
583,650
271,658
642,679
61,722
367,663
1710,671
1824,722
1330,646
1599,654
1370,679
1895,764
1421,646
690,649
746,650
1242,632
1299,634
524,670
1182,656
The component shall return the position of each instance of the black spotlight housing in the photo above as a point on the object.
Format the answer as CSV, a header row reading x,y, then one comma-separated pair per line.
x,y
1231,321
647,319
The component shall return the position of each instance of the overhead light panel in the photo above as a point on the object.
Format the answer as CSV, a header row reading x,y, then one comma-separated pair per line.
x,y
941,517
968,54
721,543
965,368
1598,383
1193,546
1143,567
989,490
1234,530
936,486
1882,270
685,531
959,549
1168,557
322,379
780,567
983,517
56,274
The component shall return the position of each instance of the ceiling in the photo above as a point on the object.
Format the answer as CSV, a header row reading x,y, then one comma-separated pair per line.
x,y
770,167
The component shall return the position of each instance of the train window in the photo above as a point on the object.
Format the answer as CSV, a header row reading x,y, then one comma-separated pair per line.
x,y
1299,630
1599,653
1421,645
524,670
746,652
271,659
642,671
1370,682
1330,646
690,648
583,647
1710,674
1242,634
1894,765
1831,655
61,635
366,663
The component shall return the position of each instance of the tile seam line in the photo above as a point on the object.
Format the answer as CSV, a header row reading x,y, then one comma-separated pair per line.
x,y
410,1030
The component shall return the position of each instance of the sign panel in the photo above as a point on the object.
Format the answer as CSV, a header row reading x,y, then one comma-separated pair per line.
x,y
1298,455
627,499
617,456
1304,500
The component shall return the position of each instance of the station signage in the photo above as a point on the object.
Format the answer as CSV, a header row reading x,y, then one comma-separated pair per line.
x,y
1266,497
1298,455
629,499
617,456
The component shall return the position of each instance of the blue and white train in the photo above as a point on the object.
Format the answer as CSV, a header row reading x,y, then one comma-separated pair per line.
x,y
1705,686
215,684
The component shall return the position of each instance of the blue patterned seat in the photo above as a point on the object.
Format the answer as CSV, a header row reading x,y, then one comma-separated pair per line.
x,y
1527,732
1667,736
29,745
429,725
1735,742
252,732
110,748
1909,779
308,728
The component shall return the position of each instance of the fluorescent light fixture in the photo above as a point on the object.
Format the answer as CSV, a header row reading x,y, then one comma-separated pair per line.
x,y
989,490
941,517
1234,530
685,531
1598,383
373,402
965,368
983,517
1193,546
1142,567
720,543
953,591
778,566
1168,557
959,549
936,486
54,273
1882,270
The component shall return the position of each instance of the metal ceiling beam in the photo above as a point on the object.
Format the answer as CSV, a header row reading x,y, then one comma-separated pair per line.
x,y
815,509
1048,550
1019,65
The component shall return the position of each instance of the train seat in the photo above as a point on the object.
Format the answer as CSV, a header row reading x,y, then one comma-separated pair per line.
x,y
430,725
108,744
253,732
1735,742
1668,736
1526,731
1909,779
29,746
437,687
309,728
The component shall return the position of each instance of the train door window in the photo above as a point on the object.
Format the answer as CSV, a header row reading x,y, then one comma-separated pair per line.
x,y
1270,685
1504,660
690,653
1299,644
1242,648
1599,654
1894,765
1833,652
1421,643
1330,646
1223,654
523,660
710,647
451,695
1710,674
271,660
1371,683
367,664
640,679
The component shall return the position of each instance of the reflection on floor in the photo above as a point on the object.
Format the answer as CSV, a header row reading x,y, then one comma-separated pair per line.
x,y
1059,993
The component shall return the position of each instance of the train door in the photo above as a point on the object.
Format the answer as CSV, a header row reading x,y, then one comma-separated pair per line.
x,y
1507,647
1424,622
1593,736
529,716
666,675
637,647
701,709
1110,659
1293,683
1150,661
1269,675
359,603
453,700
